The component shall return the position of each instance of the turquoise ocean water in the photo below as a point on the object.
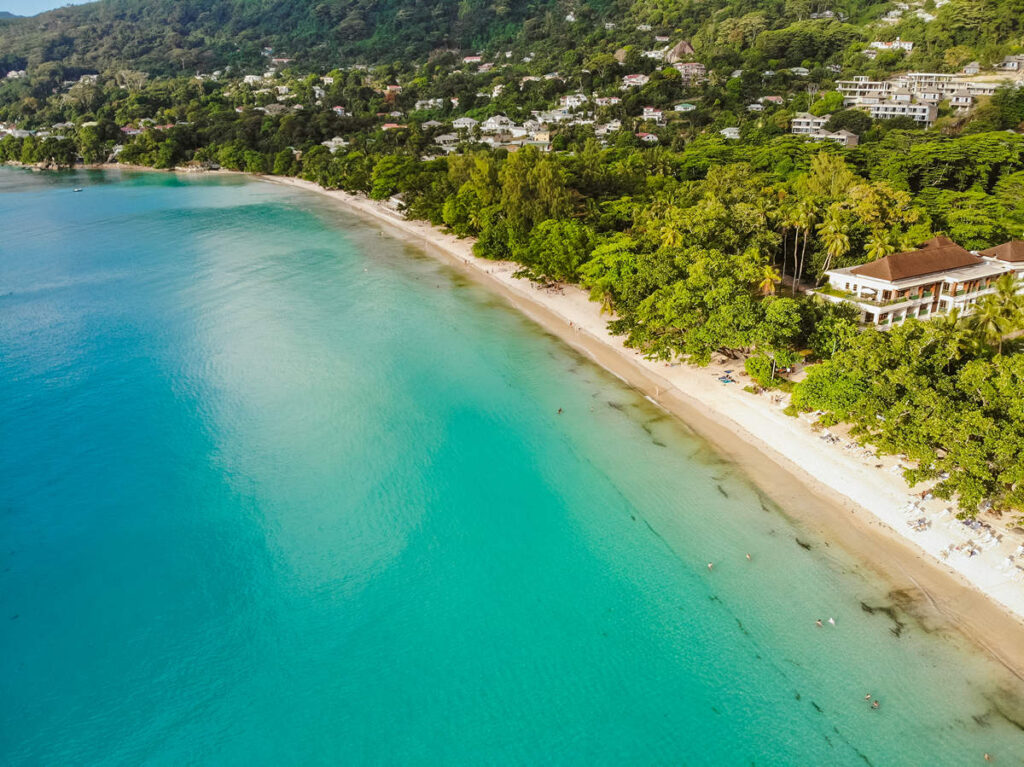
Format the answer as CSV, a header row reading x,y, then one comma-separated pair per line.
x,y
276,489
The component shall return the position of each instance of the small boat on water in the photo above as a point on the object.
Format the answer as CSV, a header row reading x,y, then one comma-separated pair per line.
x,y
79,189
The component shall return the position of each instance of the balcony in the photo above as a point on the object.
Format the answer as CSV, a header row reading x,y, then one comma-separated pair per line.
x,y
846,295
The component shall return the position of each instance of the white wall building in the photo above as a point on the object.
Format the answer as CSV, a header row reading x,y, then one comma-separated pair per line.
x,y
650,113
892,45
841,137
933,279
633,81
922,113
804,123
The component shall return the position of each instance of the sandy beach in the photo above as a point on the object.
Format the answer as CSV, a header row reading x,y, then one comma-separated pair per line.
x,y
824,481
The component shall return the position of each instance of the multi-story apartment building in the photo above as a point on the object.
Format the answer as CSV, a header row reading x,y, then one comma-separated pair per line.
x,y
923,86
922,113
860,87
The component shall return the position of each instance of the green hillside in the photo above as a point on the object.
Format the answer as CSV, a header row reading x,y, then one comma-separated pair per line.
x,y
179,36
182,35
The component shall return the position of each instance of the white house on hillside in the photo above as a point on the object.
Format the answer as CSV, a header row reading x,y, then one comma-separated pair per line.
x,y
805,122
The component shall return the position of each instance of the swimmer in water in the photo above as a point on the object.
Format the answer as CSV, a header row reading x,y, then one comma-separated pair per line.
x,y
818,623
709,565
874,704
748,557
832,621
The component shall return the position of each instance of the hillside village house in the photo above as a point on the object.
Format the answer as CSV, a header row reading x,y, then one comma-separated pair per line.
x,y
633,81
496,124
650,113
573,100
841,137
933,279
1011,64
693,72
804,123
893,45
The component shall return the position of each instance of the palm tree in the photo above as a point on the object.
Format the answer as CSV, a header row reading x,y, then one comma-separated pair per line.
x,y
788,219
806,215
989,322
947,323
769,278
1010,301
834,238
879,246
671,236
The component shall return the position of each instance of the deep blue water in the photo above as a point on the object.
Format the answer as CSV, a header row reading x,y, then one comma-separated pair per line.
x,y
276,489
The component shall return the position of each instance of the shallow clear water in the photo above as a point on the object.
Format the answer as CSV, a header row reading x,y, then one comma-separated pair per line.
x,y
278,490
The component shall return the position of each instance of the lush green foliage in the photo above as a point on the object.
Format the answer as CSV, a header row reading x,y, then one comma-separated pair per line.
x,y
166,36
184,35
941,393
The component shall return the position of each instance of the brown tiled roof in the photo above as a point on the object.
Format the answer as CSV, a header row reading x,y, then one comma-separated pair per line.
x,y
936,255
939,241
1012,251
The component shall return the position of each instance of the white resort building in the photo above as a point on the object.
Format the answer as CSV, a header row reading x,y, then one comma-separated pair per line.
x,y
933,279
